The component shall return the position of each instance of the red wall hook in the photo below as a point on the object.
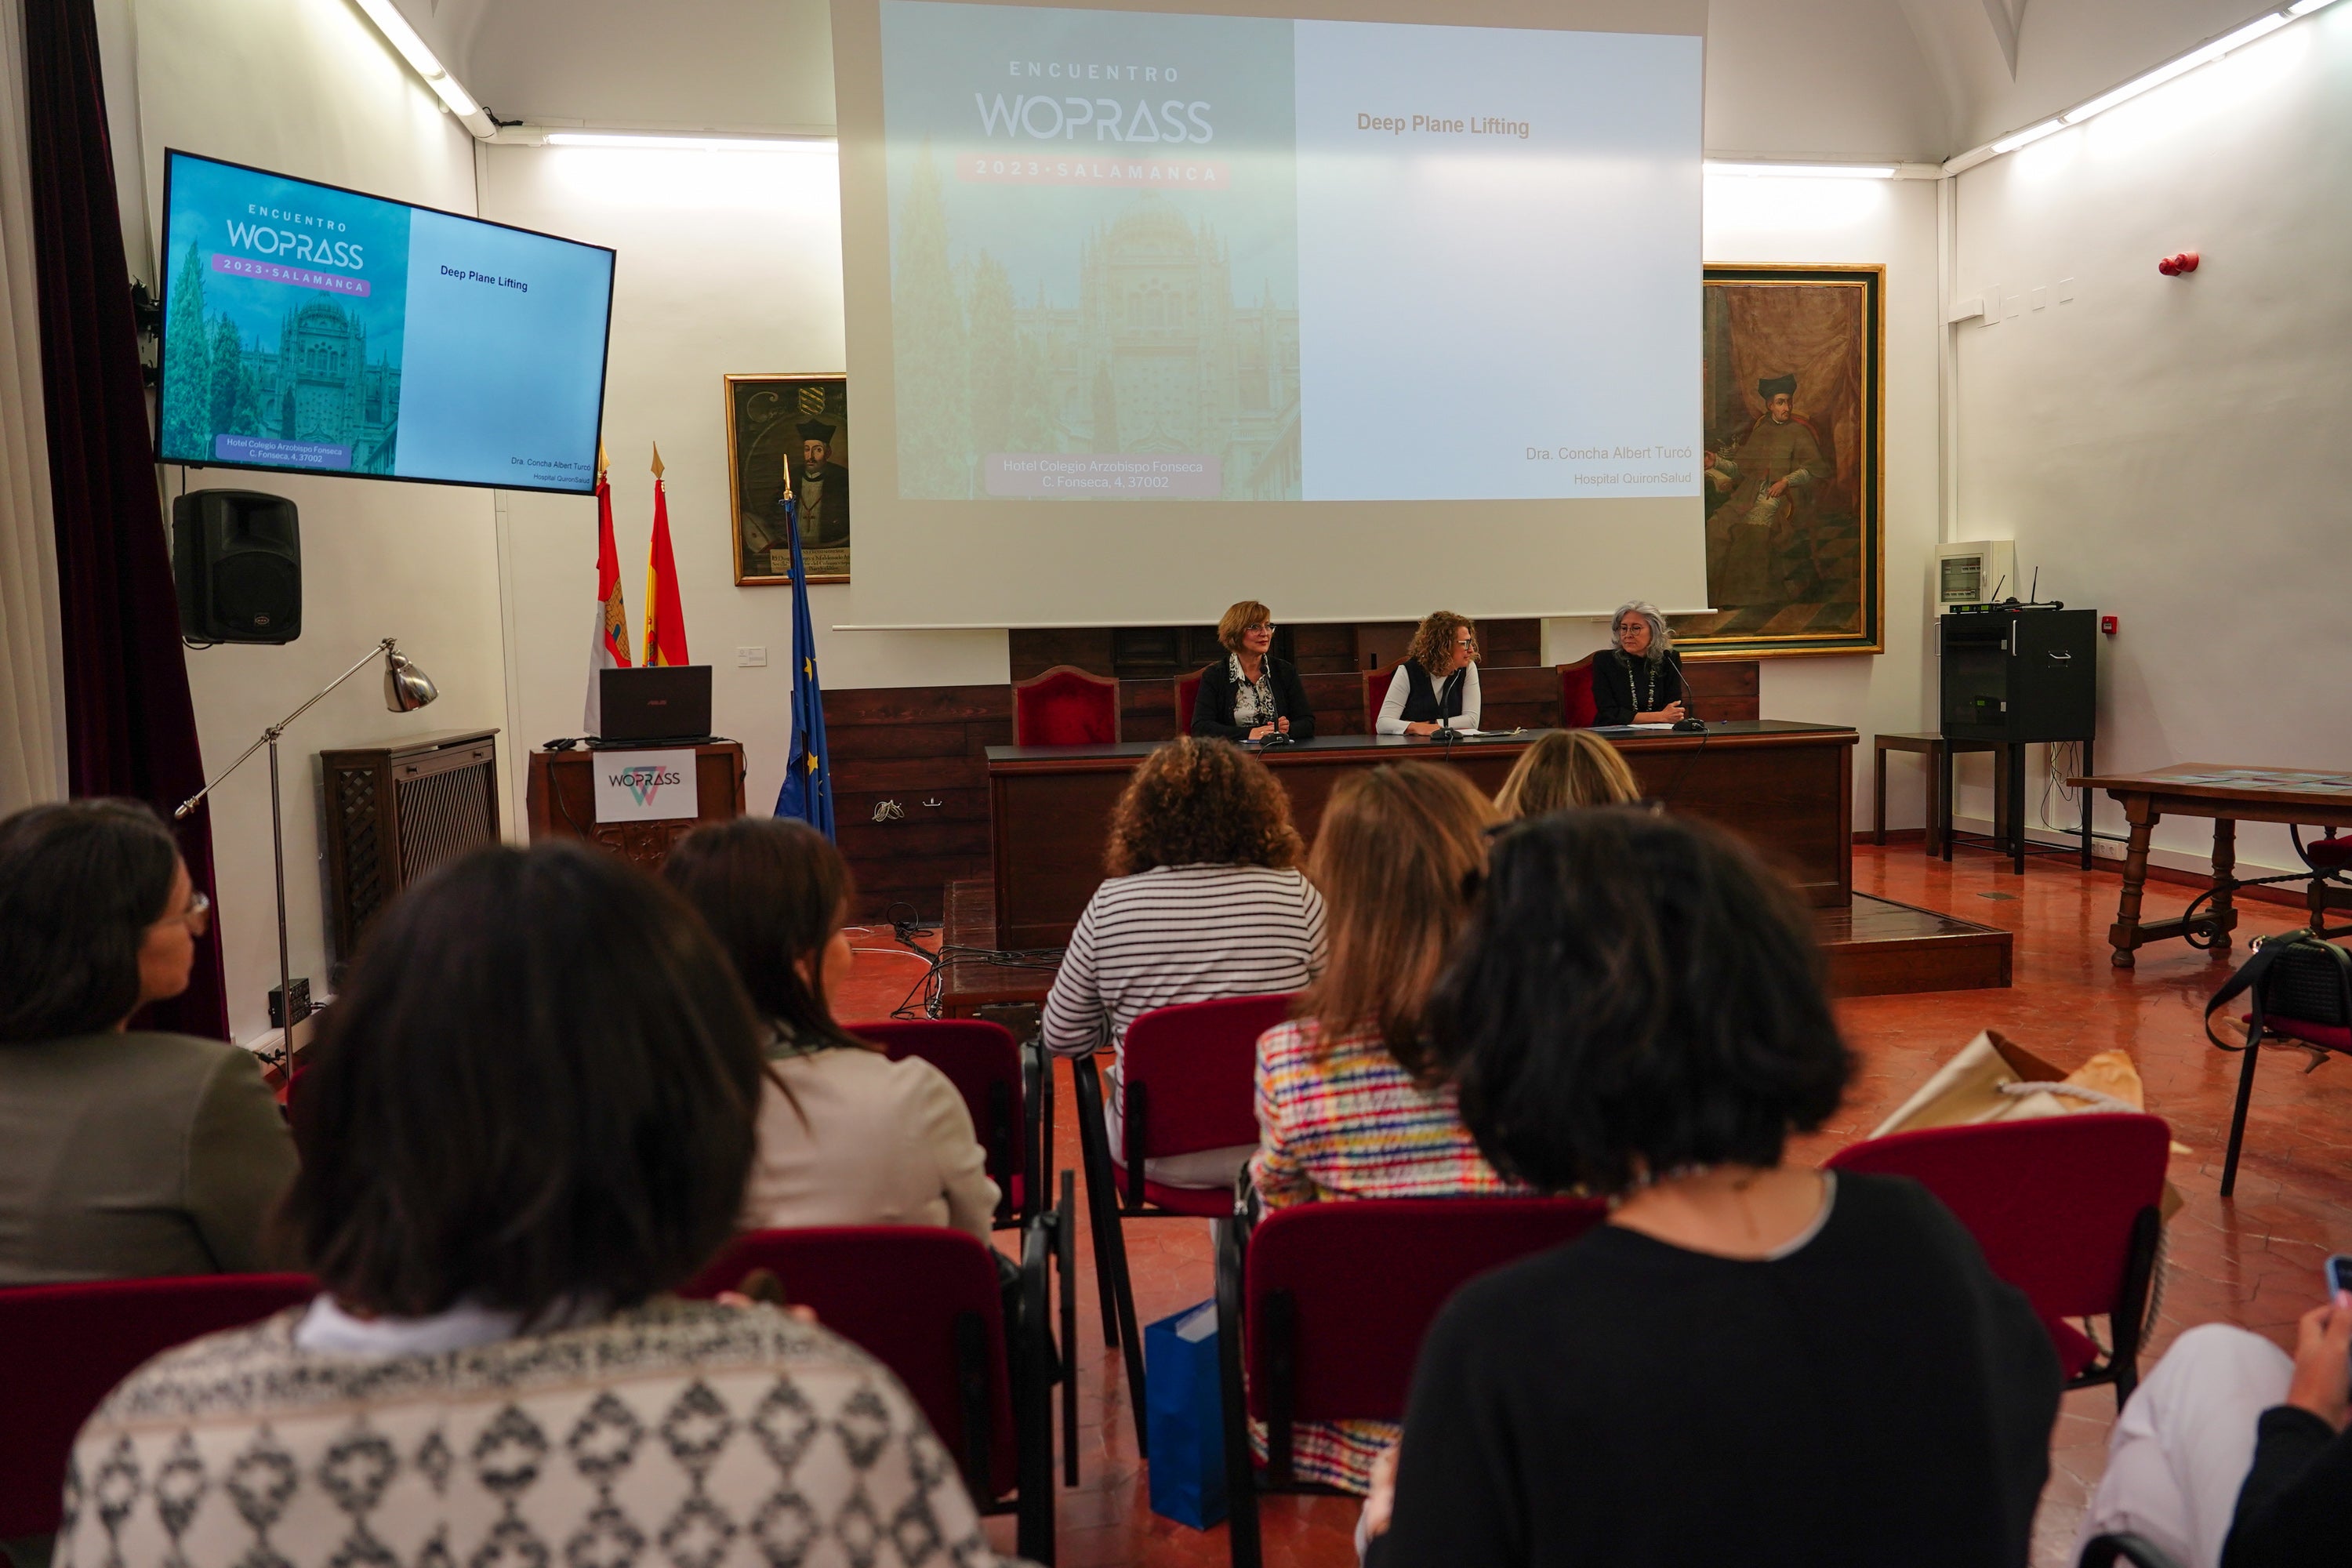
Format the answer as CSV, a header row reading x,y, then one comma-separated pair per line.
x,y
2174,266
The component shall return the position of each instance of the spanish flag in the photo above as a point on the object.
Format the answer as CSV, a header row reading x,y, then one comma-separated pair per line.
x,y
665,616
608,638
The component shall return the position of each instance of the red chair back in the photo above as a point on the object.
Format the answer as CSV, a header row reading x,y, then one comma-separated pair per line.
x,y
63,1347
1577,708
1376,688
1189,1075
923,1301
2051,1201
984,1061
1188,694
1362,1282
1066,707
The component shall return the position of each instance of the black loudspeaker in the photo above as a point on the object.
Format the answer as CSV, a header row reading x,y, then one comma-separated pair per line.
x,y
2021,675
238,558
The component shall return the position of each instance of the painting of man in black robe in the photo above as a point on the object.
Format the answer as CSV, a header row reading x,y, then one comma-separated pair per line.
x,y
1790,481
789,432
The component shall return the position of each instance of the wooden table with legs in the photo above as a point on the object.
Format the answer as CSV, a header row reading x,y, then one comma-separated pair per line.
x,y
2228,794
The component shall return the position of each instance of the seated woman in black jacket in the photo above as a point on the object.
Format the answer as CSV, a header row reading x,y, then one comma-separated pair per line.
x,y
1252,694
1638,678
1751,1361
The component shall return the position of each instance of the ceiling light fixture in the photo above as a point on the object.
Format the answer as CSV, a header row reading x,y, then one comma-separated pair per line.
x,y
2259,28
422,59
2031,133
614,139
1804,170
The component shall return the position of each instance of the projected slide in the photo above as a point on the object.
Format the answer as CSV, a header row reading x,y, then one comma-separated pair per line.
x,y
314,329
1224,257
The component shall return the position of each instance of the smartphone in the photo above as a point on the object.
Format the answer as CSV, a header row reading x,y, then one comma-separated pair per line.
x,y
2338,1272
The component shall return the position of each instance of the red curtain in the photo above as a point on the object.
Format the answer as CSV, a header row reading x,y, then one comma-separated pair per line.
x,y
131,726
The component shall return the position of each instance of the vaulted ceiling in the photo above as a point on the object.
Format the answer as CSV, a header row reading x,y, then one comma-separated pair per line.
x,y
1843,79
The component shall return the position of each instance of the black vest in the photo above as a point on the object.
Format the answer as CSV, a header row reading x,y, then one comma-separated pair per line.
x,y
1424,702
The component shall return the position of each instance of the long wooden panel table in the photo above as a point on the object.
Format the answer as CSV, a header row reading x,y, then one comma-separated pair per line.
x,y
2229,794
1786,787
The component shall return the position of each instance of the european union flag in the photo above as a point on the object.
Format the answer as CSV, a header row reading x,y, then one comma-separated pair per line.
x,y
807,792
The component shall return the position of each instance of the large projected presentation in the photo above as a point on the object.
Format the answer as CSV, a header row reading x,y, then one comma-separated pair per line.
x,y
316,329
1346,288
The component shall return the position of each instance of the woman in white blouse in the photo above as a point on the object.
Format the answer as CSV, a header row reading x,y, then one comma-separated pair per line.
x,y
1436,686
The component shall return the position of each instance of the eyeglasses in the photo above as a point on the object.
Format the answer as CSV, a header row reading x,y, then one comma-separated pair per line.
x,y
1255,628
1465,640
198,917
1627,628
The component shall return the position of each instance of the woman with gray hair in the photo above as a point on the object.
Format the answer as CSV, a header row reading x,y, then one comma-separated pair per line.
x,y
1638,678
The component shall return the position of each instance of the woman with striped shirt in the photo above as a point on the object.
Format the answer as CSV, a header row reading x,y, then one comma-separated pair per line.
x,y
1346,1106
1205,899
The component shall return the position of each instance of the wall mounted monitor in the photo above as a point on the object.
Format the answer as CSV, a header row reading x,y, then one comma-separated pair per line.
x,y
309,329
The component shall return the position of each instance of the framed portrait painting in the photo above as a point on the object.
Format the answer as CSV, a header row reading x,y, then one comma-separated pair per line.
x,y
1792,484
789,434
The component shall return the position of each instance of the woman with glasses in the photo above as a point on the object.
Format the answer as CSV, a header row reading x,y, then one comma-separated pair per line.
x,y
1638,680
1436,686
1251,695
123,1153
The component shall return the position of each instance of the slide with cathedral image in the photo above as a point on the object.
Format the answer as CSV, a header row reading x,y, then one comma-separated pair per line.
x,y
1143,256
317,329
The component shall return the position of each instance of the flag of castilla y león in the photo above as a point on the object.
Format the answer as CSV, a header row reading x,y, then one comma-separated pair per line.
x,y
608,637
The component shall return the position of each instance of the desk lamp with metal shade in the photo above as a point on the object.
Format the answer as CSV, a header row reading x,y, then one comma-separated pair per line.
x,y
405,689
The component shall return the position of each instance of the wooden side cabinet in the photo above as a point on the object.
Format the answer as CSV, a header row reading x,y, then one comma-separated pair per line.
x,y
395,812
562,800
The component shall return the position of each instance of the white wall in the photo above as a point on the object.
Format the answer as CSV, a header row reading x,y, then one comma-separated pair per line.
x,y
729,262
312,89
2169,450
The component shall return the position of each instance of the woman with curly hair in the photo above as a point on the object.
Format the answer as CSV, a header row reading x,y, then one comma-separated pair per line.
x,y
1204,899
1436,686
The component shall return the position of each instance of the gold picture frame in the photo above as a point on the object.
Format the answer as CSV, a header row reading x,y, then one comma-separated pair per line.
x,y
769,419
1802,571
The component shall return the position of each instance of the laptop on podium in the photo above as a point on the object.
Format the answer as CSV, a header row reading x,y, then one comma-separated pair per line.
x,y
665,705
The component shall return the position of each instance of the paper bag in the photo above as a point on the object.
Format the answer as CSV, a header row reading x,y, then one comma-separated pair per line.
x,y
1183,1417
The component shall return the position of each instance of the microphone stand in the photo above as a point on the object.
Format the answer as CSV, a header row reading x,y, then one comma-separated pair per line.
x,y
394,665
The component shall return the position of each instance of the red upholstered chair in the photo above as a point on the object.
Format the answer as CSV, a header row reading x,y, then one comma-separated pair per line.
x,y
1188,693
924,1302
1324,1305
1065,707
1376,691
1005,1087
1189,1084
2065,1208
63,1347
1577,708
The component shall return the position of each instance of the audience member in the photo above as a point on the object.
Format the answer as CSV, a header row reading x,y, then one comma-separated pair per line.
x,y
123,1153
535,1102
1566,768
1751,1362
2233,1455
1345,1105
1205,899
846,1135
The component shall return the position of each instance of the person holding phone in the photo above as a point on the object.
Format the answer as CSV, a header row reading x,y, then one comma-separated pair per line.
x,y
2231,1454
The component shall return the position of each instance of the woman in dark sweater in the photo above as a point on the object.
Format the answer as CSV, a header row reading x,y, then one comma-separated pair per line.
x,y
1252,694
1638,680
1751,1362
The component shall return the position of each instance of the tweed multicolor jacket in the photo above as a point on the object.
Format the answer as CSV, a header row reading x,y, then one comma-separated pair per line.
x,y
676,1435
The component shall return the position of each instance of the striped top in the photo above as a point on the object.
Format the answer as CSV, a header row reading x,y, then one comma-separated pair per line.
x,y
1346,1122
1181,934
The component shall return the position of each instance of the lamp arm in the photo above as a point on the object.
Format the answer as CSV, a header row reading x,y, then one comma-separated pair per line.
x,y
279,729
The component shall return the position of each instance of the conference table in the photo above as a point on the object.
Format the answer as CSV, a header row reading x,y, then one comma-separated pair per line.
x,y
1786,787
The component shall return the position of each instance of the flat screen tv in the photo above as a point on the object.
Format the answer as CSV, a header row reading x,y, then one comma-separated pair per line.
x,y
309,329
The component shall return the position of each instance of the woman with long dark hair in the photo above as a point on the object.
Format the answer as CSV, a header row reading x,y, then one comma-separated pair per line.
x,y
846,1135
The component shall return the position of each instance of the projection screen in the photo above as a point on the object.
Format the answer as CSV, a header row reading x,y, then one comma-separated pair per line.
x,y
1158,310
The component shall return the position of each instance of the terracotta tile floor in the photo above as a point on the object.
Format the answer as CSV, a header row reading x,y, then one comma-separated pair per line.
x,y
2254,1261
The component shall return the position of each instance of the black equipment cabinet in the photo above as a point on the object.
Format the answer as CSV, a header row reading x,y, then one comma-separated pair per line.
x,y
2019,676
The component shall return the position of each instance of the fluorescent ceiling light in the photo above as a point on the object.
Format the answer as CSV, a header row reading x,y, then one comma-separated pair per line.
x,y
2189,62
1805,171
2031,133
403,37
2305,7
691,144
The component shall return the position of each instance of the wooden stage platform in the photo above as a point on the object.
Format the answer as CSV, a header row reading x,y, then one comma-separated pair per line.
x,y
1875,947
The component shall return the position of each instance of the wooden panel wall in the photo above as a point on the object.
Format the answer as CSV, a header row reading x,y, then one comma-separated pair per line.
x,y
923,744
1329,648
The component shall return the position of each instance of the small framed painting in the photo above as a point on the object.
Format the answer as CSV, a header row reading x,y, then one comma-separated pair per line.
x,y
1794,370
788,434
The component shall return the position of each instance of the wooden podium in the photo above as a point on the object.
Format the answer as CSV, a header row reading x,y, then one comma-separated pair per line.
x,y
562,802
